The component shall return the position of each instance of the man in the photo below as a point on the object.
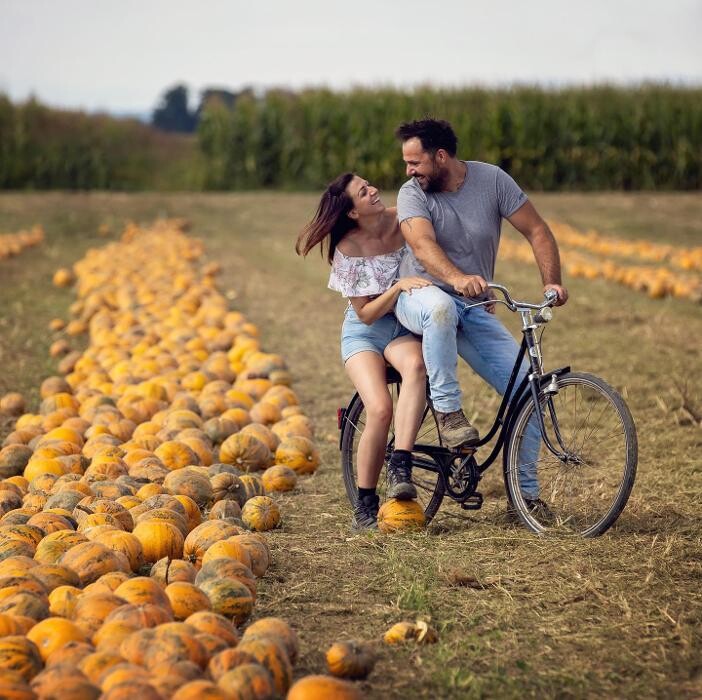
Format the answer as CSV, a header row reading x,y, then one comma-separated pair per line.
x,y
451,213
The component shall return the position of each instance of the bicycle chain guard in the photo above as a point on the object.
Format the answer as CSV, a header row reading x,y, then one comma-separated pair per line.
x,y
461,478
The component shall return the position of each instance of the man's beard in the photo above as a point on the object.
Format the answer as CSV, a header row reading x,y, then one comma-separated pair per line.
x,y
436,182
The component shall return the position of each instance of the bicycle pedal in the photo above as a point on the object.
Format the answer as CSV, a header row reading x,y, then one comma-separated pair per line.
x,y
465,450
474,502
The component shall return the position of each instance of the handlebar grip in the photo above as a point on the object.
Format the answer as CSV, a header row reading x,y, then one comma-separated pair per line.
x,y
551,295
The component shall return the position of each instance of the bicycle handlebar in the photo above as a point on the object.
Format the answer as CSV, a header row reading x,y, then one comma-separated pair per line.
x,y
550,296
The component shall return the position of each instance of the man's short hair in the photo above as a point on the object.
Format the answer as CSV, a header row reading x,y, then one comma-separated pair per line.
x,y
432,133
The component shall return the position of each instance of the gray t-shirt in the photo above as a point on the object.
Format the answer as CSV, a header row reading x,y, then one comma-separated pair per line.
x,y
467,222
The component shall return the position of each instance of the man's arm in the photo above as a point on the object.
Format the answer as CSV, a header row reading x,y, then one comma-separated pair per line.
x,y
421,237
530,224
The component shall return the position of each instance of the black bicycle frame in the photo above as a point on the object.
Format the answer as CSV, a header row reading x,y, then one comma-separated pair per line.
x,y
502,421
512,402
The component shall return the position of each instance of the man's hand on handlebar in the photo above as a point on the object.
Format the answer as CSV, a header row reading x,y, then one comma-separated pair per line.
x,y
471,286
561,291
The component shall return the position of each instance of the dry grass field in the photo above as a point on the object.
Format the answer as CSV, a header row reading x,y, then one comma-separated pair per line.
x,y
617,616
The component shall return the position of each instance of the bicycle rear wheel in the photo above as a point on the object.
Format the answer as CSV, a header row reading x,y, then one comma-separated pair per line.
x,y
425,474
584,494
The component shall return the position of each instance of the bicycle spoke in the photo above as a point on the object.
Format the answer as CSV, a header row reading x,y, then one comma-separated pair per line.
x,y
584,492
425,471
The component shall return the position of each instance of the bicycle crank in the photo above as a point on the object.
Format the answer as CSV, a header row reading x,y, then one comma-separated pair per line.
x,y
461,479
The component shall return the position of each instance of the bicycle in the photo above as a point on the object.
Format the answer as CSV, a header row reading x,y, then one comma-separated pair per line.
x,y
582,436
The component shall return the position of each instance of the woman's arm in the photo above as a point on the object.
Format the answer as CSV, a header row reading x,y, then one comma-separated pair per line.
x,y
370,309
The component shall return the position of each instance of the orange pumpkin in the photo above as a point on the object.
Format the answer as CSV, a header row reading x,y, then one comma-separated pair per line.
x,y
253,486
20,655
70,653
265,412
110,635
175,454
298,453
204,536
227,567
143,590
316,687
212,644
159,539
107,583
218,429
215,624
271,654
174,642
191,482
260,513
225,661
228,487
95,664
293,426
350,660
125,543
229,597
52,576
193,514
258,550
164,515
14,687
71,681
141,616
228,549
186,599
167,571
225,510
248,680
245,452
90,560
26,604
278,629
279,478
396,516
13,460
63,600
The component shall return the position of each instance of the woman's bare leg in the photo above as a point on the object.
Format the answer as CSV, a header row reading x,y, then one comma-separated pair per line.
x,y
367,372
405,355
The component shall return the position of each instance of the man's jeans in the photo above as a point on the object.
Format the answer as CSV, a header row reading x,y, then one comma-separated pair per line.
x,y
448,329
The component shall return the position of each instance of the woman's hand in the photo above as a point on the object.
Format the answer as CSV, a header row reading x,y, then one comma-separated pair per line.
x,y
407,284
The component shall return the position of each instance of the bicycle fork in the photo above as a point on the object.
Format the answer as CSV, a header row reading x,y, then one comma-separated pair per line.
x,y
549,390
533,348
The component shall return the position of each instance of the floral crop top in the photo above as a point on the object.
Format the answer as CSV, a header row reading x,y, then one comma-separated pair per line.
x,y
371,275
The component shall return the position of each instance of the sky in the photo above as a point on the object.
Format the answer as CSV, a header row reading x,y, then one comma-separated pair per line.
x,y
120,56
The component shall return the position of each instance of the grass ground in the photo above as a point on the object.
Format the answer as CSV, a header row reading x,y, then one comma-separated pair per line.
x,y
617,616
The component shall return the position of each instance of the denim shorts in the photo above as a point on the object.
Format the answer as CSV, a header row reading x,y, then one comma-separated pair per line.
x,y
357,337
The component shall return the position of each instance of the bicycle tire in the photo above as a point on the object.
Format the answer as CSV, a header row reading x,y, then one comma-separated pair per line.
x,y
429,484
587,495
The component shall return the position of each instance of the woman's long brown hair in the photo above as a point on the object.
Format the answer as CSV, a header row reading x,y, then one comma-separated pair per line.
x,y
330,221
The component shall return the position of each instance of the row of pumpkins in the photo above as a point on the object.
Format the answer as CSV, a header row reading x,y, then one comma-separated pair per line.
x,y
656,282
14,243
133,503
638,249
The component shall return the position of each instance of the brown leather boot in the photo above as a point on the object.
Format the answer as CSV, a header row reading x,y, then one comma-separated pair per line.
x,y
455,430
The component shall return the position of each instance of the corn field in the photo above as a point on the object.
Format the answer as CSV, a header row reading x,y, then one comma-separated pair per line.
x,y
573,139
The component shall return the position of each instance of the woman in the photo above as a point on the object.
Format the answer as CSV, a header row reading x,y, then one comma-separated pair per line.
x,y
365,247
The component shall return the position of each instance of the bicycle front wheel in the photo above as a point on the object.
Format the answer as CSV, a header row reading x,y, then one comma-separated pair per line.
x,y
425,473
584,493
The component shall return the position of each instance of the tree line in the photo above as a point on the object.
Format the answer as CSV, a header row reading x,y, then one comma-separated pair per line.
x,y
43,148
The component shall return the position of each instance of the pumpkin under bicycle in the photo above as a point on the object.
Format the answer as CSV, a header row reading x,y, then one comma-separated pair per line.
x,y
568,432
